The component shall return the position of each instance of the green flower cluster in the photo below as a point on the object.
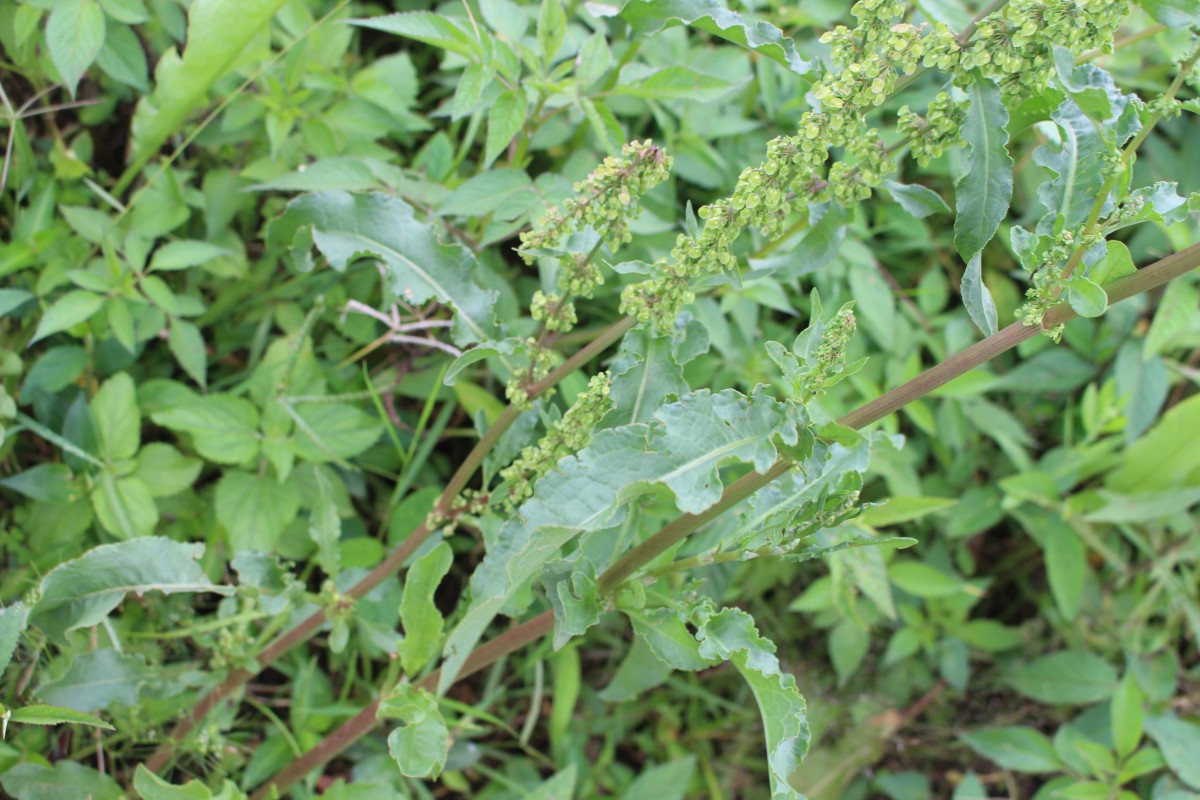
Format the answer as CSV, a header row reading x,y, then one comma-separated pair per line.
x,y
551,309
606,199
541,361
817,359
569,435
940,129
1014,46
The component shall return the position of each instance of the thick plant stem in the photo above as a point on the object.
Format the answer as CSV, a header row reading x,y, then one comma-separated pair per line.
x,y
392,564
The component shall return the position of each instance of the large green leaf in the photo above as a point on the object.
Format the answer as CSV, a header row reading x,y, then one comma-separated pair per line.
x,y
1066,677
255,509
648,17
1179,741
1016,748
1168,457
83,591
214,45
97,680
730,634
682,449
982,195
349,227
419,615
117,417
224,428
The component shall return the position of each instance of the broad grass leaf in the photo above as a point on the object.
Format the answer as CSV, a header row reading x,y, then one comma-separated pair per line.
x,y
648,17
74,36
349,227
182,84
1017,748
982,195
82,592
53,715
1068,677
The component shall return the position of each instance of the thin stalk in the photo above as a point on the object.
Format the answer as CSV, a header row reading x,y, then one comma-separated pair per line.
x,y
392,564
361,724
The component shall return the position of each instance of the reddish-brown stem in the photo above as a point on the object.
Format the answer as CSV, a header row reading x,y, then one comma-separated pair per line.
x,y
1143,280
392,564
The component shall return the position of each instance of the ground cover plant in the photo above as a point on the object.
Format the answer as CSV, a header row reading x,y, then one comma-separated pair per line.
x,y
611,399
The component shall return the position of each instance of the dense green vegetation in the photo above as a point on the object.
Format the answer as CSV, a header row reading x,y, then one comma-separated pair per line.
x,y
505,399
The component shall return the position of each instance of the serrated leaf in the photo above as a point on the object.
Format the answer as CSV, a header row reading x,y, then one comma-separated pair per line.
x,y
648,17
730,634
682,448
471,84
984,192
54,715
419,615
453,34
74,36
224,428
332,431
551,28
13,619
83,591
505,119
421,743
255,509
348,227
67,311
977,298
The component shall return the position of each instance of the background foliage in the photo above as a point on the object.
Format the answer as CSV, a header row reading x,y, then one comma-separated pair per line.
x,y
219,416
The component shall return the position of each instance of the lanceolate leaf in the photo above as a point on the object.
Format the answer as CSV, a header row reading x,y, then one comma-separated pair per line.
x,y
419,615
977,298
682,448
12,622
651,16
983,194
452,34
730,634
348,227
53,715
83,591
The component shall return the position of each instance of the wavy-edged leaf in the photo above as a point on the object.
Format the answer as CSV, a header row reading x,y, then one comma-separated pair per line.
x,y
647,17
1159,202
681,448
182,83
983,194
83,591
419,615
1080,160
12,621
421,742
348,227
648,369
730,634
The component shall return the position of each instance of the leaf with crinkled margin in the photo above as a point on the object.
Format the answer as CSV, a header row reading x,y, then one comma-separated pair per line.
x,y
983,194
683,447
348,227
780,505
648,370
730,634
648,17
1160,202
1078,163
83,591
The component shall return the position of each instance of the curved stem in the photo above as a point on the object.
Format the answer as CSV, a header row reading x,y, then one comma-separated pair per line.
x,y
392,564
